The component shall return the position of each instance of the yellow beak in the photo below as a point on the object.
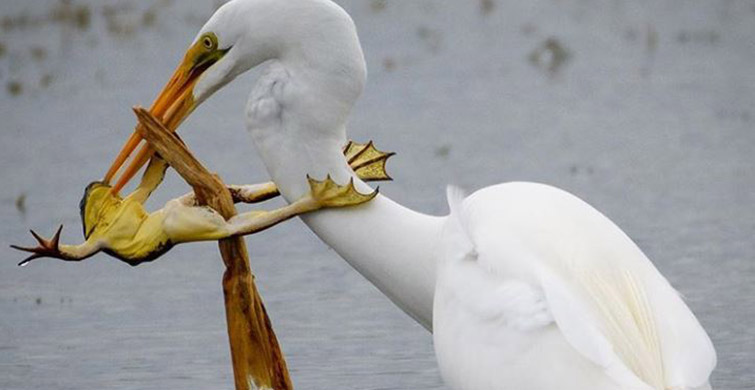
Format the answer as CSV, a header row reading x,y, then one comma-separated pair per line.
x,y
172,106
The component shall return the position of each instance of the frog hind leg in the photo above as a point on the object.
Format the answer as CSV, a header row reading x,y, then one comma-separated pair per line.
x,y
186,223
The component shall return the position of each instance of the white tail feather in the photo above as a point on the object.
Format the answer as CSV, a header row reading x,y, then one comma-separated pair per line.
x,y
455,197
628,323
458,223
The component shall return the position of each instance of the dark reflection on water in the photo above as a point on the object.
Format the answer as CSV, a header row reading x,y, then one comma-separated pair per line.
x,y
650,119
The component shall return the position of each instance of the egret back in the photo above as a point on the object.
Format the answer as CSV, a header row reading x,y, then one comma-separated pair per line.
x,y
608,300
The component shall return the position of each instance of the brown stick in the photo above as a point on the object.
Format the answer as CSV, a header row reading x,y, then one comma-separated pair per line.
x,y
256,355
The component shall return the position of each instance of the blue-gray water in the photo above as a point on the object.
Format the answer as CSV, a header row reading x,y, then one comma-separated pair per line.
x,y
643,108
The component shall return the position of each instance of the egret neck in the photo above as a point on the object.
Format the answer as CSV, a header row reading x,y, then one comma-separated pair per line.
x,y
293,131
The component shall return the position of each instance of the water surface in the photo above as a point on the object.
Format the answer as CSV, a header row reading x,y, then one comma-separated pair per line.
x,y
642,108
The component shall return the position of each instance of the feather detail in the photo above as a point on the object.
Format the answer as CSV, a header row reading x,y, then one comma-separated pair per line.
x,y
627,322
491,298
457,225
577,321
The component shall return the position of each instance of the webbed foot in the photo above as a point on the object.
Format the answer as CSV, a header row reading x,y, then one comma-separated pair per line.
x,y
329,194
366,161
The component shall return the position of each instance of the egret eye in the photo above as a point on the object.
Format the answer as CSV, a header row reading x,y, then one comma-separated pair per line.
x,y
208,43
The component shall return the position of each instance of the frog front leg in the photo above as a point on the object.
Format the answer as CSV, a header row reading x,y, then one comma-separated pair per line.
x,y
52,248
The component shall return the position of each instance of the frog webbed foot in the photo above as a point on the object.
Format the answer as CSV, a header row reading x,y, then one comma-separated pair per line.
x,y
328,194
366,161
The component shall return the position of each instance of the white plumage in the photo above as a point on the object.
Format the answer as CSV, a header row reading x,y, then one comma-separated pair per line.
x,y
533,278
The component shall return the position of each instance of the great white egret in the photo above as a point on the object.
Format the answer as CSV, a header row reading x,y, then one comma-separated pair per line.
x,y
524,285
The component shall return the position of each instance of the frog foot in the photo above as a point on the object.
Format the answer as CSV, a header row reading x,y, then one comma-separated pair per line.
x,y
366,161
45,248
329,194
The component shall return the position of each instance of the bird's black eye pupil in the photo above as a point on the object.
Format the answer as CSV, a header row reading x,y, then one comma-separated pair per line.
x,y
208,43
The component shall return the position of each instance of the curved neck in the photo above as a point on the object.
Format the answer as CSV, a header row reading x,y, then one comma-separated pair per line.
x,y
390,245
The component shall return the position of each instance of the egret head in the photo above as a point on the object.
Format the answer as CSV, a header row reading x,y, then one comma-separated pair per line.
x,y
205,68
241,35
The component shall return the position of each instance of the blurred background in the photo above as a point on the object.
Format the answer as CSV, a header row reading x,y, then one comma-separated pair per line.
x,y
643,108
